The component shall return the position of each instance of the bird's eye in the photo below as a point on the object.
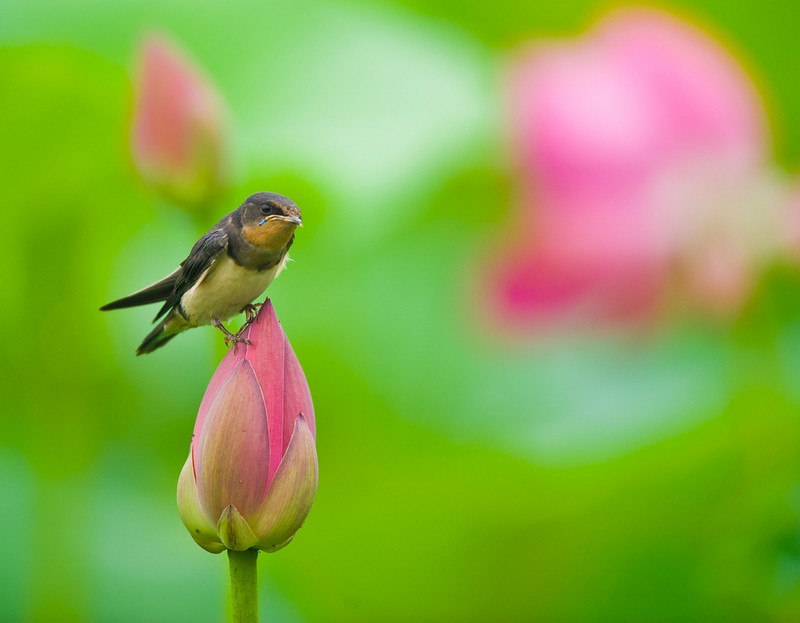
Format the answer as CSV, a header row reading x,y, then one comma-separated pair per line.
x,y
266,210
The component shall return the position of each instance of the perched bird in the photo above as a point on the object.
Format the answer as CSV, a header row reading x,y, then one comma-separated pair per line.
x,y
227,269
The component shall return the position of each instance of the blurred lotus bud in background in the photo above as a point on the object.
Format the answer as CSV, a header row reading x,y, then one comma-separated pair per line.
x,y
642,156
251,475
179,138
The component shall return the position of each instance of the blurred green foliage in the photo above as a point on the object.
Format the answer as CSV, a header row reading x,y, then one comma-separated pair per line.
x,y
462,479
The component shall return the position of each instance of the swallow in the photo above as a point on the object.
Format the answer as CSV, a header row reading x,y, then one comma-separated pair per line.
x,y
226,270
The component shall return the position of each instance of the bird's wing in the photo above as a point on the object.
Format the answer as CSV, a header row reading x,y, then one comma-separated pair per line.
x,y
159,291
194,267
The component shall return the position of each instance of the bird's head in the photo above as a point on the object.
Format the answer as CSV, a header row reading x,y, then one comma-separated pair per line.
x,y
269,221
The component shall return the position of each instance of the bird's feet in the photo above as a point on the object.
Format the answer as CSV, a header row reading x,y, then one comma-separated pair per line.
x,y
235,338
250,311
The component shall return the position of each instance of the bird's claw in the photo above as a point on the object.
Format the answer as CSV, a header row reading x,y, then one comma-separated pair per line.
x,y
250,311
235,338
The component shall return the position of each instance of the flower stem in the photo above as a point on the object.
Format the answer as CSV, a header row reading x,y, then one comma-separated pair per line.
x,y
244,587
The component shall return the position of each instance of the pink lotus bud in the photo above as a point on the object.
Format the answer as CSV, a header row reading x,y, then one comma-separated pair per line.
x,y
251,475
178,128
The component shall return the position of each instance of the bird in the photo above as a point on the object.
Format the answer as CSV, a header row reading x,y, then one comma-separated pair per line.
x,y
226,270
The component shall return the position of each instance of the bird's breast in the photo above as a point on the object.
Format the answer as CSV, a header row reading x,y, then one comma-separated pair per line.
x,y
225,289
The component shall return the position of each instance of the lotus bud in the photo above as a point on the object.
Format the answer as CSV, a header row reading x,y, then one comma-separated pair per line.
x,y
178,126
251,475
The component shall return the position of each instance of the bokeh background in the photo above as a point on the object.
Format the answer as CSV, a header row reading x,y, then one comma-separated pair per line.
x,y
545,297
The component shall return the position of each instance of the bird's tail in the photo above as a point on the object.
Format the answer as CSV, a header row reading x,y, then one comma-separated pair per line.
x,y
157,337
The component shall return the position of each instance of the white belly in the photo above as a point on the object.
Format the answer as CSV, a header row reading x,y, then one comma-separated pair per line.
x,y
224,290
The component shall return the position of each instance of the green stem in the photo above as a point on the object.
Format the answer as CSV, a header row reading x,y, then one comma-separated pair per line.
x,y
244,587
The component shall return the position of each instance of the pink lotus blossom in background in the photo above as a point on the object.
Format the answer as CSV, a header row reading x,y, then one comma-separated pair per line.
x,y
792,231
178,127
642,162
251,475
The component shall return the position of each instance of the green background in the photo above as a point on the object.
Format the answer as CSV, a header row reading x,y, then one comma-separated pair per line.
x,y
463,477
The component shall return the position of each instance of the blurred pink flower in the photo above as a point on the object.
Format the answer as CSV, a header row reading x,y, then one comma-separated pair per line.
x,y
792,232
178,126
630,144
251,475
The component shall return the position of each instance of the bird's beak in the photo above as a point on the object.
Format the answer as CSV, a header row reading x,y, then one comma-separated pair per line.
x,y
294,219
